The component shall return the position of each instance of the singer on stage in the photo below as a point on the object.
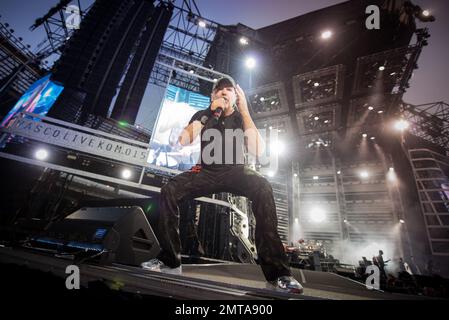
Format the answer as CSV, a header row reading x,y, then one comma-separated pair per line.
x,y
222,168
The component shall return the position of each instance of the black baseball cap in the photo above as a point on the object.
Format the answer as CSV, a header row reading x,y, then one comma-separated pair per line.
x,y
223,83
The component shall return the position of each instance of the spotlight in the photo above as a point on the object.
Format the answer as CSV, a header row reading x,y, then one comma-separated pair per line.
x,y
315,177
316,84
277,147
345,221
295,175
126,173
391,175
296,220
372,138
270,127
381,68
202,24
215,80
41,154
364,135
270,173
370,108
380,111
191,71
401,125
426,13
391,169
364,174
338,172
262,99
243,41
326,34
317,215
401,221
316,118
250,63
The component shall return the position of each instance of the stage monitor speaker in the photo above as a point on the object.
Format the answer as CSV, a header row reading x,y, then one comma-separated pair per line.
x,y
117,234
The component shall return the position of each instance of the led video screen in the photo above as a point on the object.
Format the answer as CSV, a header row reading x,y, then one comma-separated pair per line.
x,y
38,99
177,109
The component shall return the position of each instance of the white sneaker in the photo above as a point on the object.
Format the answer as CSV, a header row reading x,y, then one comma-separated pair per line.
x,y
158,266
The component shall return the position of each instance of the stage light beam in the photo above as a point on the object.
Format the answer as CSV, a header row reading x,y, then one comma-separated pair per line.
x,y
126,174
364,174
326,34
401,125
243,41
41,154
250,62
317,215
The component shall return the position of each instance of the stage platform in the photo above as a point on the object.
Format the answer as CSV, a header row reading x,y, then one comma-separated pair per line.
x,y
210,281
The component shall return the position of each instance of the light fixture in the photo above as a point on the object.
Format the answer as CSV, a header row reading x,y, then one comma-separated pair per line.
x,y
391,175
364,135
401,221
316,84
370,108
326,34
345,221
315,177
250,62
364,174
426,13
243,41
191,71
296,220
126,174
316,118
277,147
41,154
317,215
380,111
270,173
338,172
295,175
401,125
202,23
372,138
262,99
381,68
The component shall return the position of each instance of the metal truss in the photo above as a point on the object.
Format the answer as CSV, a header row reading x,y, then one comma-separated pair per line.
x,y
187,40
54,23
17,62
429,121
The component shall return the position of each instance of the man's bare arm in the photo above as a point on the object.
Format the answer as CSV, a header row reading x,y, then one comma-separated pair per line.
x,y
190,132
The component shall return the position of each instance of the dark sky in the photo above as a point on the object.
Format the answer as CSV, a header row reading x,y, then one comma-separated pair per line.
x,y
429,83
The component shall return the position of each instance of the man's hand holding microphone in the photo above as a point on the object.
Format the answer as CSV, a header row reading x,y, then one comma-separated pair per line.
x,y
215,111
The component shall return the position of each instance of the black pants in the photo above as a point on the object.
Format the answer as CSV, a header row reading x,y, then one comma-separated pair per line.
x,y
239,180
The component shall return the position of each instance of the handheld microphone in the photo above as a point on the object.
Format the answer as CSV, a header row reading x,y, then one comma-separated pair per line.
x,y
217,113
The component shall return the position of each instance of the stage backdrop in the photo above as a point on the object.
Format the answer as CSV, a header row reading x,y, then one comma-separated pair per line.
x,y
177,108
